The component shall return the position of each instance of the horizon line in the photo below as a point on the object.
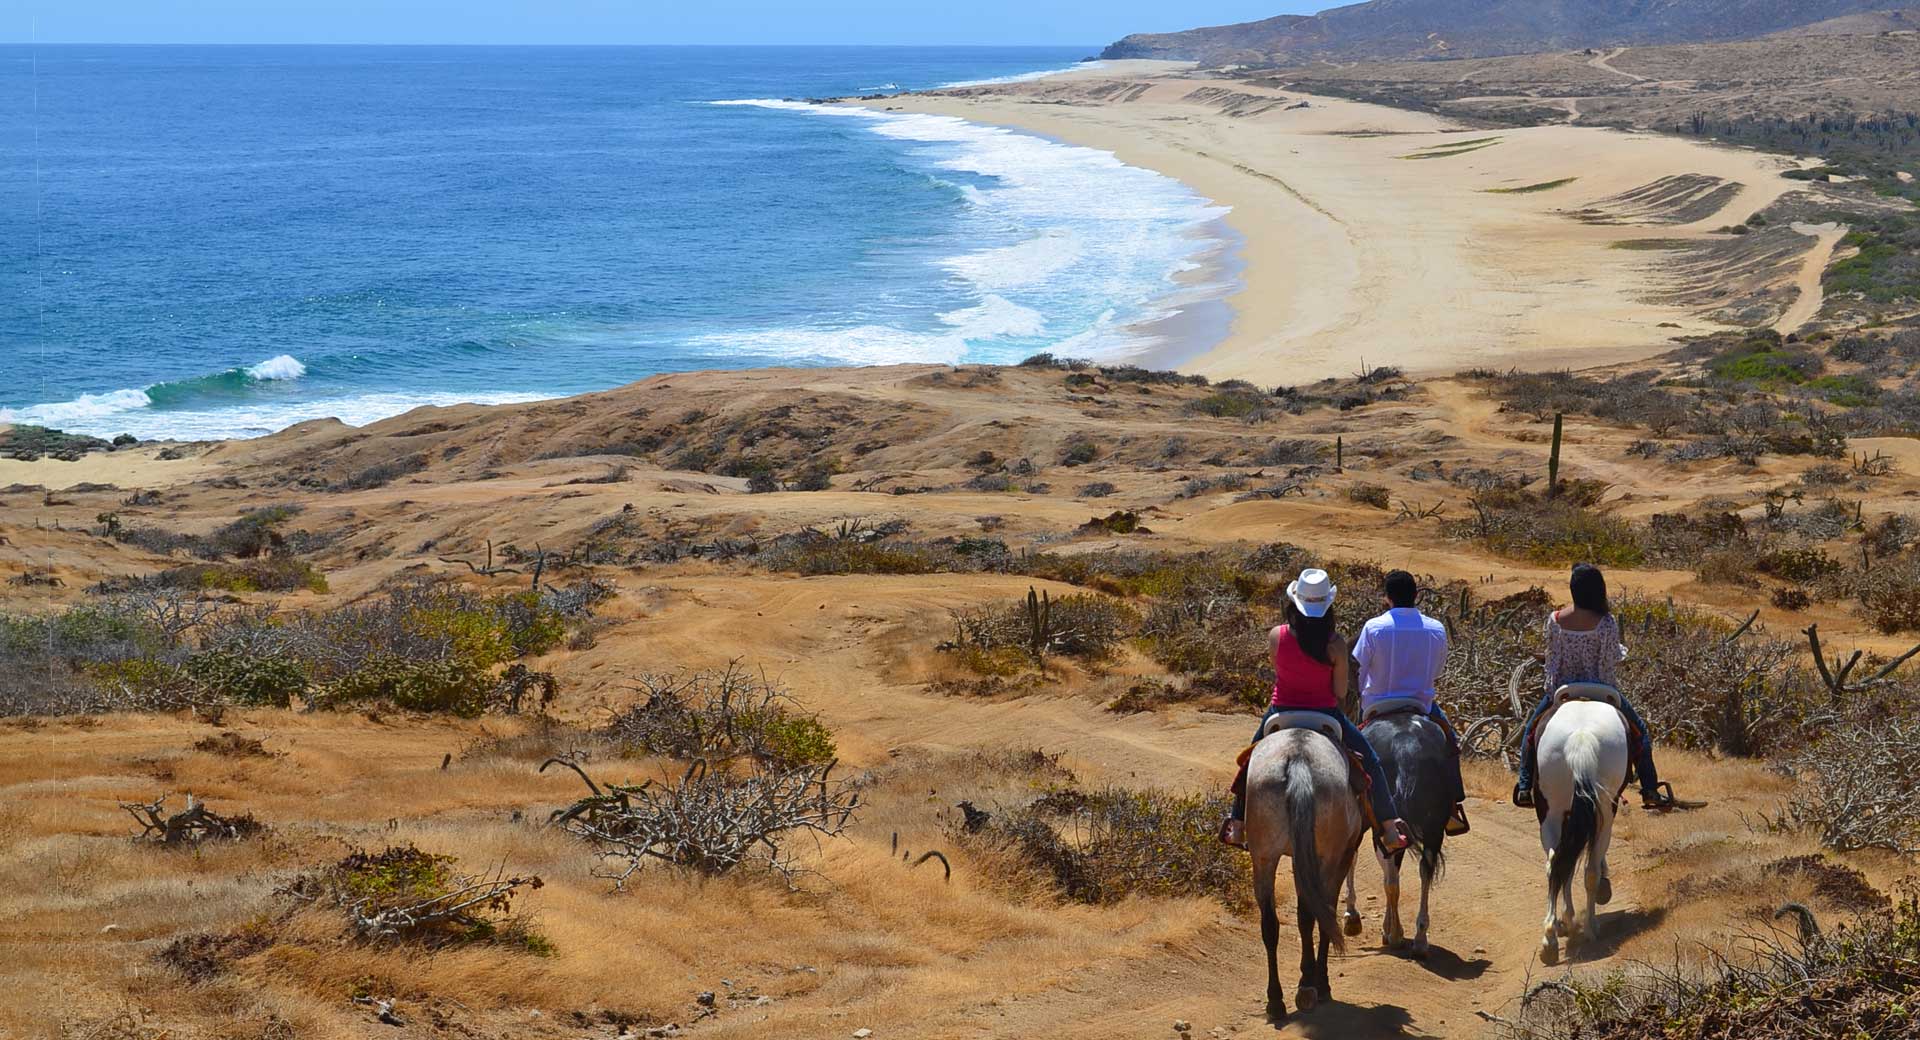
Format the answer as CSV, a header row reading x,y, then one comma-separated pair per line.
x,y
392,43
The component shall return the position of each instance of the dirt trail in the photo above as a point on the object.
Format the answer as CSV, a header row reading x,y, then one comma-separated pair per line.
x,y
1811,297
1486,912
1604,63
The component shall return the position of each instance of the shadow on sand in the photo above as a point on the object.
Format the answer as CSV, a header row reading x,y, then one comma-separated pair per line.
x,y
1337,1021
1616,927
1447,964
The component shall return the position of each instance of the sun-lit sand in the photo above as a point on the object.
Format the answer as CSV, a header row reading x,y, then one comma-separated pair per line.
x,y
1356,251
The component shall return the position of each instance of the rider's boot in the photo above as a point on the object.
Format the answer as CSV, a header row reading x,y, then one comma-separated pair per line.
x,y
1457,823
1393,836
1234,833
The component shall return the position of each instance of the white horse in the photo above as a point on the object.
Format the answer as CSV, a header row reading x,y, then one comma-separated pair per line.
x,y
1300,803
1583,766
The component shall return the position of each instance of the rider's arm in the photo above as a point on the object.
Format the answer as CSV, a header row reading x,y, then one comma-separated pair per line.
x,y
1338,651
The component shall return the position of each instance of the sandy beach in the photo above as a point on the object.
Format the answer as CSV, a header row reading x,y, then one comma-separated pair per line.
x,y
1397,237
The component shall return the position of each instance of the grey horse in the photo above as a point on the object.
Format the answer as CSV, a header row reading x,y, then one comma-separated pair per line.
x,y
1300,804
1417,759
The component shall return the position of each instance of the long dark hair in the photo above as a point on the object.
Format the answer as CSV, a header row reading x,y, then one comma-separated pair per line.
x,y
1589,588
1311,633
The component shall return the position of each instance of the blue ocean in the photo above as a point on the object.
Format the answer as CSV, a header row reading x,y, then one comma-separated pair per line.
x,y
202,242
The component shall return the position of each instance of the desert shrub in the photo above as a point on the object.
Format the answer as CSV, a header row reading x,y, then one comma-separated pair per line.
x,y
1097,489
1856,981
1247,404
762,482
1373,495
844,557
1631,400
1800,564
1201,486
453,686
1549,531
710,820
717,716
1791,599
240,673
1078,451
1858,787
404,895
1288,452
1700,681
1082,626
272,574
1107,845
381,474
812,478
255,534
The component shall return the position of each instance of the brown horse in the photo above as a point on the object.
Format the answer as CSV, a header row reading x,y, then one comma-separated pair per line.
x,y
1300,804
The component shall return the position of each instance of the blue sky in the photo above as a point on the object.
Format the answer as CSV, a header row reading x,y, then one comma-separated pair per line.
x,y
1076,22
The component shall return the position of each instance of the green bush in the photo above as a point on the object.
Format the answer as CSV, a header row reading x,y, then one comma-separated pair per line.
x,y
456,687
253,679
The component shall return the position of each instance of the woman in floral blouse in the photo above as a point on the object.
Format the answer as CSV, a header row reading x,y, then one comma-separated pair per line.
x,y
1583,646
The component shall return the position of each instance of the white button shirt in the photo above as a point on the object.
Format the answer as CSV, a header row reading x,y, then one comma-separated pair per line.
x,y
1400,654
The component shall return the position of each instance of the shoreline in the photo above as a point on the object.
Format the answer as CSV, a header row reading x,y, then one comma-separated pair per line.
x,y
1351,252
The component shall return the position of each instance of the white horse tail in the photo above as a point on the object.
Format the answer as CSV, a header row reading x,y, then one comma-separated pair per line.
x,y
1309,876
1581,829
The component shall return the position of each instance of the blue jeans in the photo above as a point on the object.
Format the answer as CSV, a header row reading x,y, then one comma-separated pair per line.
x,y
1459,782
1382,795
1642,749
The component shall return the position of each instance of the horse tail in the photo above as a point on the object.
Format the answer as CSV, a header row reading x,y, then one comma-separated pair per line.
x,y
1309,880
1581,828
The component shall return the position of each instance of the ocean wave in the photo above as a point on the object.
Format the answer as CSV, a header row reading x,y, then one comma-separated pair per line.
x,y
88,412
1077,240
238,421
285,366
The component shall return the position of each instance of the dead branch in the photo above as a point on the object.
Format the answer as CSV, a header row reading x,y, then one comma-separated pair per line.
x,y
193,824
485,572
709,820
1836,676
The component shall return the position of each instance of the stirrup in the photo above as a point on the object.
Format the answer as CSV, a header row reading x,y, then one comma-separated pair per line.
x,y
1457,822
1522,796
1226,826
1660,799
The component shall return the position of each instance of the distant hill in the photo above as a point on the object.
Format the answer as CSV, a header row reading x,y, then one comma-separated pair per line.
x,y
1400,29
1872,24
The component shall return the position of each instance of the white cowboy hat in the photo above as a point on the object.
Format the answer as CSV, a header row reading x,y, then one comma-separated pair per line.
x,y
1313,592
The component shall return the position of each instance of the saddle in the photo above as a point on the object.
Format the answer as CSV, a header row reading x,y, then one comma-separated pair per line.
x,y
1357,779
1387,707
1595,693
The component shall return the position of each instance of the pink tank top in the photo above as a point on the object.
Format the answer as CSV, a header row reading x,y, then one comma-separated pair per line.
x,y
1299,681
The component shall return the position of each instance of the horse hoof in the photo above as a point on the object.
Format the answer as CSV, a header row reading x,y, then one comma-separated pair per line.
x,y
1352,927
1276,1012
1604,894
1420,950
1549,954
1305,998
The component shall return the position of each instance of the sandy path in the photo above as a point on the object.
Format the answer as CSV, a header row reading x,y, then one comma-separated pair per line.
x,y
1605,64
1352,247
1807,305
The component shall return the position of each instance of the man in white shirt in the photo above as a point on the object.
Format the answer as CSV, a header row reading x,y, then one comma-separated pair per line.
x,y
1401,654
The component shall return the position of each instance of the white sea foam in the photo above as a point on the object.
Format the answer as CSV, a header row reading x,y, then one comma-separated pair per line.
x,y
73,415
285,366
1079,232
129,412
996,316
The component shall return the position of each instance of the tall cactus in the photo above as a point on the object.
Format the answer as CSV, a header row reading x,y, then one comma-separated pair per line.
x,y
1553,460
1039,623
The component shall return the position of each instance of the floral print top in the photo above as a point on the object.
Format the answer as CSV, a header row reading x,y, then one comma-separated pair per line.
x,y
1583,657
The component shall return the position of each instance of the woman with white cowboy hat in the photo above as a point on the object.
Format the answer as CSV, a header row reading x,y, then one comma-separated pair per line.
x,y
1310,674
